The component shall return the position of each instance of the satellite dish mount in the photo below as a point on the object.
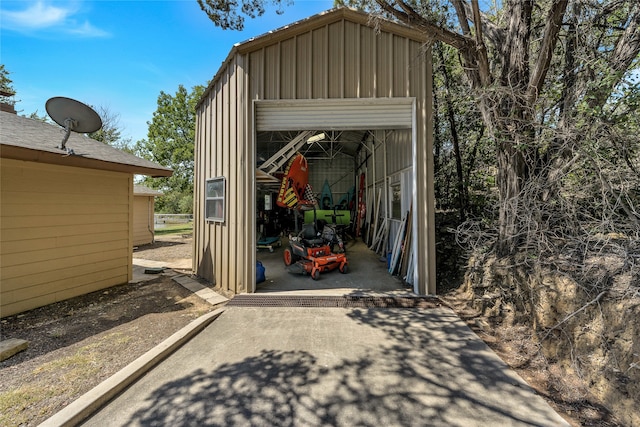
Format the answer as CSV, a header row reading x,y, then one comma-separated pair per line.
x,y
72,115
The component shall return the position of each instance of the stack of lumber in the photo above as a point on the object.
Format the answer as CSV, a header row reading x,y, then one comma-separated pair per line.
x,y
399,246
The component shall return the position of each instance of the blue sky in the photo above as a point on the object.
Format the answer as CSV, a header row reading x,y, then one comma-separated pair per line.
x,y
119,54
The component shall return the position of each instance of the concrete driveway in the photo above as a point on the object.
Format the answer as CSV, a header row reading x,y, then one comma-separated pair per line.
x,y
292,366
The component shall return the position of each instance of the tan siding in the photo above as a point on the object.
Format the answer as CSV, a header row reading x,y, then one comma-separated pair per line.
x,y
87,275
400,66
42,232
288,65
333,59
426,198
225,148
272,72
368,62
221,256
216,228
320,64
384,65
399,151
352,62
143,220
25,275
233,186
57,249
256,62
304,73
247,230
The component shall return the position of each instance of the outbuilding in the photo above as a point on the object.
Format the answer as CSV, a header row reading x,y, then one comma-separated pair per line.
x,y
66,216
350,92
143,214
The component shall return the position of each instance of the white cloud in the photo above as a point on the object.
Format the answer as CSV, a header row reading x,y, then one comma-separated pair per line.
x,y
88,30
41,15
36,15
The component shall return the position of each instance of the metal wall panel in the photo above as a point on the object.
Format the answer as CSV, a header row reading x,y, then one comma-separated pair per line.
x,y
288,71
271,72
334,55
340,176
400,66
367,63
399,151
221,150
335,60
304,75
384,65
320,65
351,79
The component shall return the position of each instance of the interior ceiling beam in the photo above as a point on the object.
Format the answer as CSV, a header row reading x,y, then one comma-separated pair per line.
x,y
276,161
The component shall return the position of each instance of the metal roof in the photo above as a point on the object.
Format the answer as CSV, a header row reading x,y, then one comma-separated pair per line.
x,y
22,138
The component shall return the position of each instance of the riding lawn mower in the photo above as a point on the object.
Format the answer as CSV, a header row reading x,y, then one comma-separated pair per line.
x,y
311,252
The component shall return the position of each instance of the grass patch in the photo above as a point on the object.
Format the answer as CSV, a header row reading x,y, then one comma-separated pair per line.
x,y
56,381
14,403
175,229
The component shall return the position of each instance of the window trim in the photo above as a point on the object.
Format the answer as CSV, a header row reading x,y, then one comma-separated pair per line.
x,y
207,198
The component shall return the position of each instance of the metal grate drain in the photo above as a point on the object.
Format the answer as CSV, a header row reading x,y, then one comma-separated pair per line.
x,y
348,301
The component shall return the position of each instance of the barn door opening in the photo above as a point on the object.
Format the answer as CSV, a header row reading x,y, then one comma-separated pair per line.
x,y
290,124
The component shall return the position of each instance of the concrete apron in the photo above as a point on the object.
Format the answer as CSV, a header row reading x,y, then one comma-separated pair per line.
x,y
331,366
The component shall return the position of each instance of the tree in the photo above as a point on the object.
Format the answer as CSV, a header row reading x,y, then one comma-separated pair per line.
x,y
6,87
224,13
5,82
110,132
170,142
507,55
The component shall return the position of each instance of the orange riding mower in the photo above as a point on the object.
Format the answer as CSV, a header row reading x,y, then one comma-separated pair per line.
x,y
310,253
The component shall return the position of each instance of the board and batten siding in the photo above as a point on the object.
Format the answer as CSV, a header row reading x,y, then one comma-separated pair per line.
x,y
64,232
336,55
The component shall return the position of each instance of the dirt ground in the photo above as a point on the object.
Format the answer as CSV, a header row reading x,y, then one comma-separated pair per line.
x,y
78,343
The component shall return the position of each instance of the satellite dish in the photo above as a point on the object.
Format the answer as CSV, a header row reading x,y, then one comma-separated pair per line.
x,y
73,116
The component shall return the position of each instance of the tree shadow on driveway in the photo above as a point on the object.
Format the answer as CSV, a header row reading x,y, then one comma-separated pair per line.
x,y
364,367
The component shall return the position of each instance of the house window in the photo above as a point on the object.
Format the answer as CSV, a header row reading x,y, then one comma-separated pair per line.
x,y
214,199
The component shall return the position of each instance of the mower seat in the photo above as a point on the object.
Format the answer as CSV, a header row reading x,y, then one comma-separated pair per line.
x,y
310,236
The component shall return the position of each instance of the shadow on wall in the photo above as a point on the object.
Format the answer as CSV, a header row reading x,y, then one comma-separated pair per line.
x,y
414,378
206,264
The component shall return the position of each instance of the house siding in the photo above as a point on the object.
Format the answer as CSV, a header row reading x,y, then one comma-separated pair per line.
x,y
143,227
64,231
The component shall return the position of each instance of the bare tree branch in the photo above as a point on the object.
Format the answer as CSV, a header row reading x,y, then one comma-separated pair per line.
x,y
449,37
549,41
481,50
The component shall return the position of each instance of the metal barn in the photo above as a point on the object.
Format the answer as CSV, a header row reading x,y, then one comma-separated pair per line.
x,y
352,92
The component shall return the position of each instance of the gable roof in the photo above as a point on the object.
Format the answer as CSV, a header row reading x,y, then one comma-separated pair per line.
x,y
327,17
313,22
22,138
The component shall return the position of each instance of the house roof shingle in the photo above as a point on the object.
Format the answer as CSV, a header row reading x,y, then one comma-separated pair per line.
x,y
141,190
22,138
